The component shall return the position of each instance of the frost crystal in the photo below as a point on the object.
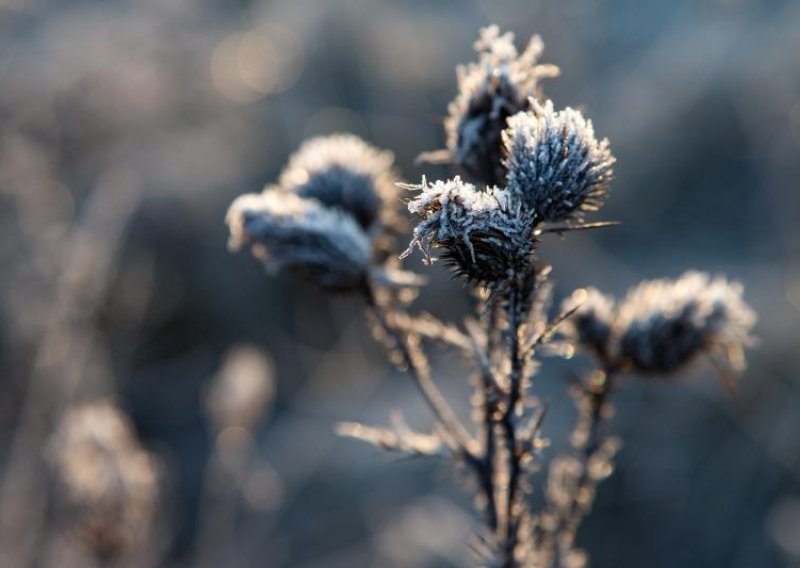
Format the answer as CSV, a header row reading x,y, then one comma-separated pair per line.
x,y
665,324
555,163
490,90
345,172
286,230
484,234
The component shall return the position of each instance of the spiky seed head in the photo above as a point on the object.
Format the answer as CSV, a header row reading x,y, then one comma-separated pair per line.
x,y
663,325
285,230
345,172
555,163
490,90
590,325
482,233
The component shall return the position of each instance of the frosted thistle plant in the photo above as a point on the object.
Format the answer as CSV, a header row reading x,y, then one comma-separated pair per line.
x,y
528,170
497,86
345,172
555,163
483,234
287,231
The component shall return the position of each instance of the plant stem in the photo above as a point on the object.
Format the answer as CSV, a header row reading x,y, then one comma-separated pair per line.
x,y
488,388
508,424
456,435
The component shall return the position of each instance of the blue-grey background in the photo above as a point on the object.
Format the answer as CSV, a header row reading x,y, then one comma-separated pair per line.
x,y
173,107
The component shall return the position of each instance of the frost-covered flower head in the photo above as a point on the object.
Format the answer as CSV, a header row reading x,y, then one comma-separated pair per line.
x,y
107,484
345,172
661,326
285,230
555,163
484,234
490,90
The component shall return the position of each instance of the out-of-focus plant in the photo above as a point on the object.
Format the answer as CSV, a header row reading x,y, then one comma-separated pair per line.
x,y
240,397
106,489
529,170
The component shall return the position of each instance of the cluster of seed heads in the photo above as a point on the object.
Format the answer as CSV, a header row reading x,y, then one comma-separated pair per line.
x,y
324,217
556,170
527,169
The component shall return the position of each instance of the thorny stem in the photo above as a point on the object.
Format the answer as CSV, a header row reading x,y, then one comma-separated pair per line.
x,y
508,424
456,435
489,413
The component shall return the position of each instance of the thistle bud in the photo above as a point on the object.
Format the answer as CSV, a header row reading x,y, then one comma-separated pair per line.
x,y
326,246
483,234
344,172
555,163
663,325
497,86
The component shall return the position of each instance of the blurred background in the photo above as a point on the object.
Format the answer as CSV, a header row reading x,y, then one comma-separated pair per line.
x,y
128,126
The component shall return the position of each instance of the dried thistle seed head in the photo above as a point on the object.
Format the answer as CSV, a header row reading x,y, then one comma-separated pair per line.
x,y
345,172
555,163
663,325
590,325
107,484
483,234
490,90
325,245
242,390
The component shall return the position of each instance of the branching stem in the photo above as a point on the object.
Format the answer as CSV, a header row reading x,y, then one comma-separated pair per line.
x,y
456,435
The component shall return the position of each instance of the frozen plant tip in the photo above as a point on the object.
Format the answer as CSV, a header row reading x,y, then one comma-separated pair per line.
x,y
555,163
483,234
497,86
285,230
343,171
